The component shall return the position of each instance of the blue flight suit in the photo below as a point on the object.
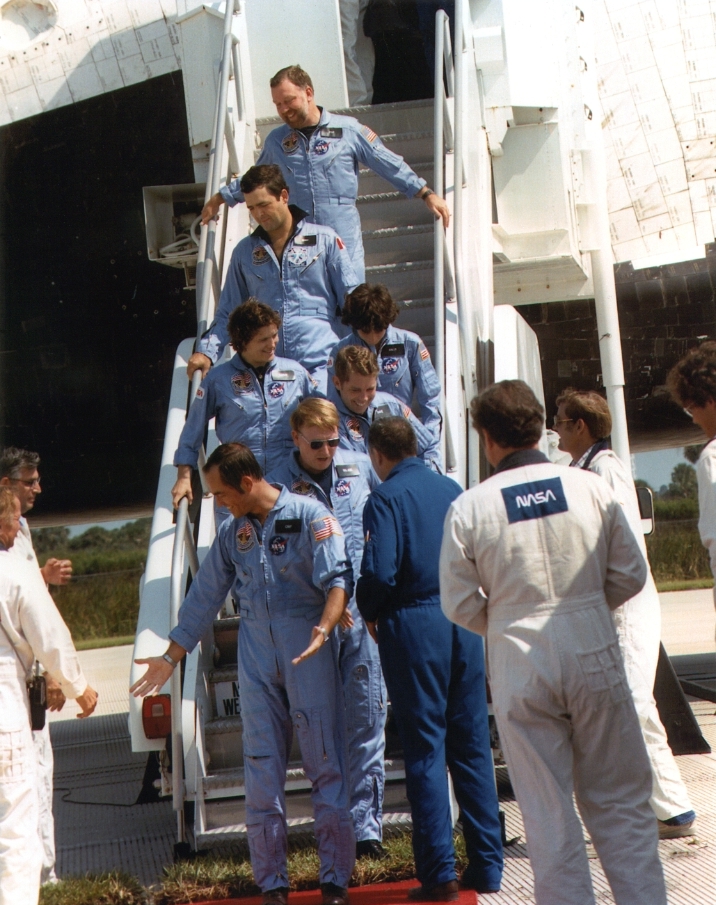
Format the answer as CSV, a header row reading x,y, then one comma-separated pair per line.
x,y
353,429
352,479
405,371
307,287
435,674
280,573
246,412
322,174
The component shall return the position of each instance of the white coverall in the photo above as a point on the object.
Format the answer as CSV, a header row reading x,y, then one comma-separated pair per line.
x,y
706,477
29,616
534,558
638,625
24,549
358,52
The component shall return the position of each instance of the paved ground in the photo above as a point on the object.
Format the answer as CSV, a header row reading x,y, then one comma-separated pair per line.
x,y
97,780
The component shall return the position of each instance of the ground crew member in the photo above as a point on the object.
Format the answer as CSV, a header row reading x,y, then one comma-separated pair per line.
x,y
320,154
343,480
358,54
251,396
534,558
584,423
299,269
354,392
31,629
19,472
284,558
434,671
405,367
692,383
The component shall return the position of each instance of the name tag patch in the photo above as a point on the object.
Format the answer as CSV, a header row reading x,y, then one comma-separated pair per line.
x,y
391,350
304,240
536,499
347,471
327,132
288,525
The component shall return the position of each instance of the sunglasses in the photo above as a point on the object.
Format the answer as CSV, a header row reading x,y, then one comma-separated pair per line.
x,y
317,444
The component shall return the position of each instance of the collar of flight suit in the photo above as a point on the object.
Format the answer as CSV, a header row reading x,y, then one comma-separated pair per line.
x,y
298,215
521,457
408,462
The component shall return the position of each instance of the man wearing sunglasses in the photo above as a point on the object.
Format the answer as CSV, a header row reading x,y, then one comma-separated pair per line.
x,y
343,480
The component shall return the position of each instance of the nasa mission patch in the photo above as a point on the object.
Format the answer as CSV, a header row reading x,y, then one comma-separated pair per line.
x,y
290,143
244,537
241,383
354,428
259,255
536,499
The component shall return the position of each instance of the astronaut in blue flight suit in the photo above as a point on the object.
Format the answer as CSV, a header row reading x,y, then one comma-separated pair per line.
x,y
298,268
251,396
435,672
343,481
284,558
320,154
404,361
353,391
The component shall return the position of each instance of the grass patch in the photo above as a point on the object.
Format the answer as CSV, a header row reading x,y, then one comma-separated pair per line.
x,y
100,606
116,888
691,585
677,554
97,643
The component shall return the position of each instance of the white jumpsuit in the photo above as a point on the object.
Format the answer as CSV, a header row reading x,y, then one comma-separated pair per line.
x,y
706,477
358,52
30,618
638,625
534,558
24,549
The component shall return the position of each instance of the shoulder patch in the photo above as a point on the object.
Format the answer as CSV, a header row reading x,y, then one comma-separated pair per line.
x,y
200,393
323,528
245,537
406,412
424,354
340,243
368,133
535,499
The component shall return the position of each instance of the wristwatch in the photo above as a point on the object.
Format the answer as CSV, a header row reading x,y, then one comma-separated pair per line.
x,y
426,192
325,633
170,660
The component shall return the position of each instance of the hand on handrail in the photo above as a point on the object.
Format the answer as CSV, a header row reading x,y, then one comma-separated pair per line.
x,y
182,487
438,206
198,362
210,211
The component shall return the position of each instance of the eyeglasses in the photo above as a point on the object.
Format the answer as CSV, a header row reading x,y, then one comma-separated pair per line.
x,y
35,482
318,444
561,420
688,410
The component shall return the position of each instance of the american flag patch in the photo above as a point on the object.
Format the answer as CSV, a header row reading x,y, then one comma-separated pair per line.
x,y
340,243
369,134
406,411
323,528
424,354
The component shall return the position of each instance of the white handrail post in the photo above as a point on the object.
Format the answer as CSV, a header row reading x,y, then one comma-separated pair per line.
x,y
175,596
439,231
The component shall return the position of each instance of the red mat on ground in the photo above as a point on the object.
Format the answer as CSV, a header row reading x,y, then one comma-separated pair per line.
x,y
378,894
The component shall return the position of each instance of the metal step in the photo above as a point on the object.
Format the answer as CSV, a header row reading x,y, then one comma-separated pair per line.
x,y
372,184
391,245
226,640
413,279
413,146
390,209
223,740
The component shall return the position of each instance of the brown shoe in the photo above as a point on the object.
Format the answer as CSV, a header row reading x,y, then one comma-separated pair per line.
x,y
333,895
278,896
443,892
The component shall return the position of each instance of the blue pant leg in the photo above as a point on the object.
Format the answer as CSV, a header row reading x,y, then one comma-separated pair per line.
x,y
267,734
345,220
470,762
365,700
316,700
415,650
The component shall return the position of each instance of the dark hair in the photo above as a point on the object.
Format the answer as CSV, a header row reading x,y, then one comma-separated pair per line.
x,y
297,76
268,175
591,407
394,437
234,461
369,308
510,413
13,461
357,359
246,320
693,380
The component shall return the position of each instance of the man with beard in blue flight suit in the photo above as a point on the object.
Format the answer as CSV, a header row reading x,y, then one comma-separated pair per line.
x,y
435,672
284,559
405,366
354,392
299,269
251,396
320,154
343,481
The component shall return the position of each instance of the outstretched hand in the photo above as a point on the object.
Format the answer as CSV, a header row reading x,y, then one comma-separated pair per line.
x,y
157,675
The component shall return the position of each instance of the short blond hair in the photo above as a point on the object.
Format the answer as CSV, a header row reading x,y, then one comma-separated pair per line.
x,y
315,413
590,407
8,504
357,359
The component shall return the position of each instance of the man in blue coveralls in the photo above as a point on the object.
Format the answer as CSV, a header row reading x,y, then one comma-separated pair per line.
x,y
283,556
251,396
343,480
301,270
354,392
320,154
405,366
434,670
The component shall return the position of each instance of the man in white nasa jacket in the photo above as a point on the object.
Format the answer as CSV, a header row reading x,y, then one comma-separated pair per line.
x,y
534,558
584,423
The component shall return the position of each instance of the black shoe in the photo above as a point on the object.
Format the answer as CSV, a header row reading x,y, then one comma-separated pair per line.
x,y
278,896
370,848
333,895
443,892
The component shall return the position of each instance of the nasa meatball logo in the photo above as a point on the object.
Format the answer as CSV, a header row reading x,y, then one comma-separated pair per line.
x,y
244,537
290,143
354,428
343,487
260,255
276,390
241,383
302,487
321,147
277,545
389,365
